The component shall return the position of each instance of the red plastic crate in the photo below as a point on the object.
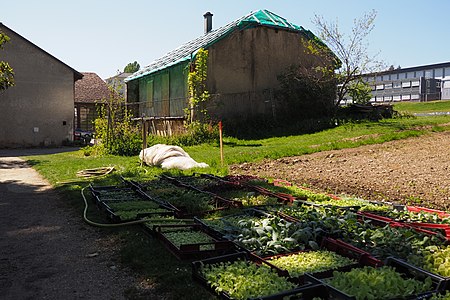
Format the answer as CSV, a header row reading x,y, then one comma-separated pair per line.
x,y
440,213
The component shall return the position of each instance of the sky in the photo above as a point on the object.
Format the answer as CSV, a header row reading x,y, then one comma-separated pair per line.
x,y
104,36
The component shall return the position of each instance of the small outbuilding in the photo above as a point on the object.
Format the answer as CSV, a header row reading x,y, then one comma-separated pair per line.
x,y
245,58
39,109
90,92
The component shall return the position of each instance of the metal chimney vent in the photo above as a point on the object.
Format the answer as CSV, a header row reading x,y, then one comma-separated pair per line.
x,y
208,21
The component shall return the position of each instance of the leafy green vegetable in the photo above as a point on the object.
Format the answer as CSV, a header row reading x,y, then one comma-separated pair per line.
x,y
377,283
445,296
133,214
133,205
311,262
243,279
118,195
179,238
437,260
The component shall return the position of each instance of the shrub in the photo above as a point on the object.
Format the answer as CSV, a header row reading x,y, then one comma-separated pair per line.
x,y
197,133
115,130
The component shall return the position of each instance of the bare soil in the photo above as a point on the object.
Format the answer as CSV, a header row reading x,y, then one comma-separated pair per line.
x,y
414,171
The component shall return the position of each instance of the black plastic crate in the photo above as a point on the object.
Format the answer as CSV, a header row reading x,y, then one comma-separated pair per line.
x,y
308,290
252,212
407,271
211,248
360,258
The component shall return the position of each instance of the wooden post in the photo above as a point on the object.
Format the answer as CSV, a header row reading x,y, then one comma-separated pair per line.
x,y
221,142
144,139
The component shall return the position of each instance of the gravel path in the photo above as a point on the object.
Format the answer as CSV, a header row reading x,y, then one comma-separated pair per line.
x,y
47,252
415,170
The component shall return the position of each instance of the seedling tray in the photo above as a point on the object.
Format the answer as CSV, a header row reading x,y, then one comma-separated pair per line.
x,y
407,271
310,289
117,217
244,213
168,190
114,193
192,250
440,213
430,227
360,257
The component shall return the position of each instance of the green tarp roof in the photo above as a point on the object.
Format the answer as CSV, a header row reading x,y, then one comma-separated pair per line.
x,y
189,49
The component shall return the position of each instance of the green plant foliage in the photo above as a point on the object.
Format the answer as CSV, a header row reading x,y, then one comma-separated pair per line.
x,y
378,283
6,72
360,92
445,296
437,260
306,92
311,262
244,280
196,133
132,67
197,84
114,128
179,238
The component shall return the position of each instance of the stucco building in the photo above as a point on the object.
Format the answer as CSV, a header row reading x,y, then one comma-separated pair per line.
x,y
117,82
420,83
244,59
39,109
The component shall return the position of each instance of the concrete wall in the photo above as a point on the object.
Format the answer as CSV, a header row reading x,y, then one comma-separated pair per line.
x,y
39,109
246,63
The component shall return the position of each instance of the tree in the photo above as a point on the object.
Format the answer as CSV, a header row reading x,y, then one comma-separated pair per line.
x,y
6,72
306,92
360,92
132,67
352,50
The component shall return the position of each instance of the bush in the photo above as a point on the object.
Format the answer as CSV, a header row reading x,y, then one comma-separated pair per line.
x,y
197,133
115,130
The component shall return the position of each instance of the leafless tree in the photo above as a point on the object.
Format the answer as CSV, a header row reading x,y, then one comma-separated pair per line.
x,y
351,49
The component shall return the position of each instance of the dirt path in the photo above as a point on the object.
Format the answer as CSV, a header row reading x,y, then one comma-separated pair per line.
x,y
47,252
416,170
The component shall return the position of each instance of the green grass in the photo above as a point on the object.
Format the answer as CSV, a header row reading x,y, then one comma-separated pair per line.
x,y
165,274
423,107
345,136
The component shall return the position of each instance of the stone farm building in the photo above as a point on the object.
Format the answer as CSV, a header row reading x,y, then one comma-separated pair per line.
x,y
38,110
89,93
244,59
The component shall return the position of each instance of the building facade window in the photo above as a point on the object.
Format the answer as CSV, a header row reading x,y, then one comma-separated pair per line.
x,y
406,97
406,84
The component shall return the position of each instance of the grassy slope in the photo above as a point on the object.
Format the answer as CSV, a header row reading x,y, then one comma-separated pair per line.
x,y
146,255
423,107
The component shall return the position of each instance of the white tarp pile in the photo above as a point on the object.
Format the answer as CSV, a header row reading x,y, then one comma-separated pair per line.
x,y
169,157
